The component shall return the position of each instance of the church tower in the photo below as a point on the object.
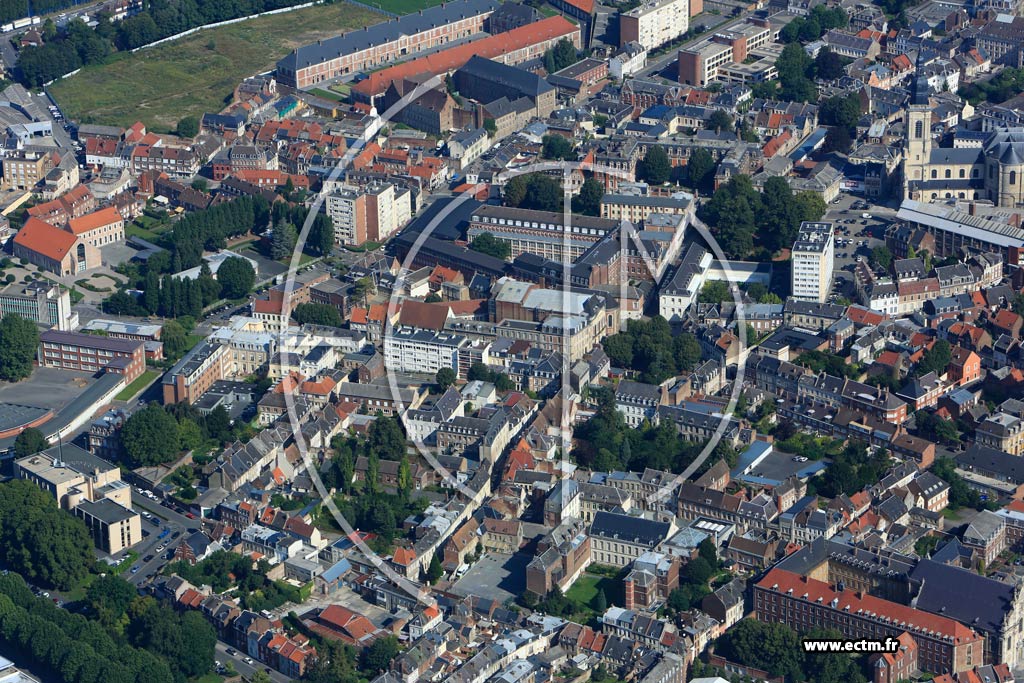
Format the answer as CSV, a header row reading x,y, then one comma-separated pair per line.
x,y
918,147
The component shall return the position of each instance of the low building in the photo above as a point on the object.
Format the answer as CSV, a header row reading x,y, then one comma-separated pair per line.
x,y
618,540
54,250
41,302
92,353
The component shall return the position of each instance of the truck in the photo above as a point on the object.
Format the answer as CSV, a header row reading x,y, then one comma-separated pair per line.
x,y
865,215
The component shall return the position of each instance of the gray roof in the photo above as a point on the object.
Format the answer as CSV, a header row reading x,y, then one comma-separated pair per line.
x,y
384,32
629,529
977,601
520,80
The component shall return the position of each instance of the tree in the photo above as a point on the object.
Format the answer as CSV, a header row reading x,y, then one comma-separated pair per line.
x,y
29,442
150,436
188,127
487,243
794,66
708,552
260,677
719,121
42,542
386,438
190,435
174,338
588,201
882,257
936,359
109,597
378,656
236,277
444,378
321,235
600,602
828,65
557,147
655,167
713,292
837,139
774,648
840,110
686,351
563,54
19,339
700,169
317,314
536,191
434,571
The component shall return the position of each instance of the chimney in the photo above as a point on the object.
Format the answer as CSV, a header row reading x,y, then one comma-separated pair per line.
x,y
972,209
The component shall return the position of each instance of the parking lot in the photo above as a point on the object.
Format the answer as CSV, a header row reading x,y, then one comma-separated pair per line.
x,y
856,236
501,577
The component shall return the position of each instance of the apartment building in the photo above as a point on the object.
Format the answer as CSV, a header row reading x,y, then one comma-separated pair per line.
x,y
347,210
195,373
92,353
422,351
91,488
372,46
178,163
1003,39
72,204
551,235
813,262
24,169
653,24
803,603
41,302
618,540
1002,431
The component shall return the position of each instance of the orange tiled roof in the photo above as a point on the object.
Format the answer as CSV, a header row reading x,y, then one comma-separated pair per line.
x,y
43,238
94,220
455,57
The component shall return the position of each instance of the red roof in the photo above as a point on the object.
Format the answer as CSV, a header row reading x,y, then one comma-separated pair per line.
x,y
43,238
819,591
267,306
403,557
94,220
451,59
585,5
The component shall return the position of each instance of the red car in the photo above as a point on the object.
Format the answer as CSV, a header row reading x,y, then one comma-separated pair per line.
x,y
190,515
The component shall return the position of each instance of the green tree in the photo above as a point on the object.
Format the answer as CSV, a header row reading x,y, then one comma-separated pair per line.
x,y
686,351
444,378
317,314
29,442
700,169
150,436
282,240
719,121
936,359
19,339
557,147
837,139
487,243
174,338
109,598
188,127
588,201
42,542
882,257
655,167
386,438
600,602
236,277
794,66
434,571
321,235
828,65
377,657
708,552
772,647
714,291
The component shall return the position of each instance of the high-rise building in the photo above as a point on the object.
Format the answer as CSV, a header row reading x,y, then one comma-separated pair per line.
x,y
813,261
655,23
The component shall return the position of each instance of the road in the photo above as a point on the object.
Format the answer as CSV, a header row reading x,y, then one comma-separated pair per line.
x,y
247,670
658,66
176,522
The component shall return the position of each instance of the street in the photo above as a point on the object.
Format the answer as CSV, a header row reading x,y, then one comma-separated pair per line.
x,y
238,660
859,235
175,522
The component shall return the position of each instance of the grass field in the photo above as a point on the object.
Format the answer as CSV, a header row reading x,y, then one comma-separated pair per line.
x,y
135,387
401,6
196,74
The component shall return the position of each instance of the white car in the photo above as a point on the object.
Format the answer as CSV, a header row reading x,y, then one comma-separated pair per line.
x,y
247,660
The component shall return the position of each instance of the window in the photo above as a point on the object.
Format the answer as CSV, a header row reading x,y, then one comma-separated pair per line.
x,y
919,129
1013,177
949,174
935,174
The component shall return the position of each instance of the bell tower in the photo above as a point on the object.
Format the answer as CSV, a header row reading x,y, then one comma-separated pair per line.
x,y
918,147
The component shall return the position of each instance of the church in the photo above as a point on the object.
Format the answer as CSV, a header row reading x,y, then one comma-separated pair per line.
x,y
993,172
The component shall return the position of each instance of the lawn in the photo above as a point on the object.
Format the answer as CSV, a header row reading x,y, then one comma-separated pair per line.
x,y
327,95
402,6
141,382
197,74
586,588
209,678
